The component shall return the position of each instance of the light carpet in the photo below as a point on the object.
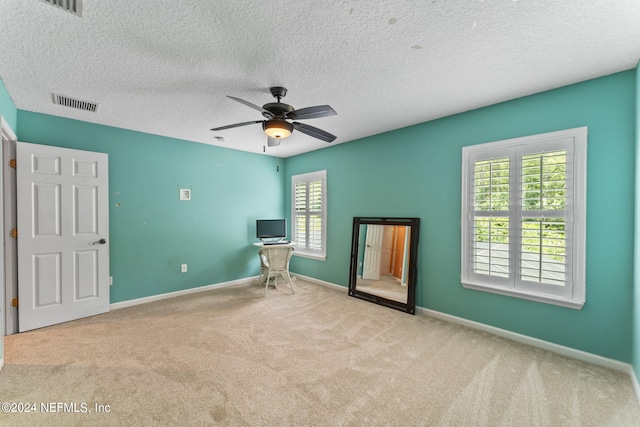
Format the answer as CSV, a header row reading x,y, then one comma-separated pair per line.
x,y
230,356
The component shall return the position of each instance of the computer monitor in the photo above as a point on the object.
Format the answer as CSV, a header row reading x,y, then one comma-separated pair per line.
x,y
271,229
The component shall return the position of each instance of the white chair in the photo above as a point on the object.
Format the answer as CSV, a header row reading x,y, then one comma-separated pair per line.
x,y
274,260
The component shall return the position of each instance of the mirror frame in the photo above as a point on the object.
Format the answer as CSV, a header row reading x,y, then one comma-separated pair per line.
x,y
414,223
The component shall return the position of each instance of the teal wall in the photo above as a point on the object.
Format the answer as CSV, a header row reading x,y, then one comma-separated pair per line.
x,y
416,171
7,109
152,232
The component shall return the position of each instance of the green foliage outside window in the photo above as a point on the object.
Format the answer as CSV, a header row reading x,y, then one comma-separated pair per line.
x,y
543,183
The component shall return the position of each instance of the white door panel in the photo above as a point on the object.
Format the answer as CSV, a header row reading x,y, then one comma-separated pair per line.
x,y
47,280
372,252
63,270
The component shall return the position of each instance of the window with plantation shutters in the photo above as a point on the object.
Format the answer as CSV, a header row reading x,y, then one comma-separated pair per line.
x,y
523,217
308,213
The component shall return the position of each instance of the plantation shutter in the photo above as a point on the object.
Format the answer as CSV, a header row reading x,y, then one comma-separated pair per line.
x,y
523,217
543,183
309,213
300,214
491,217
315,210
545,217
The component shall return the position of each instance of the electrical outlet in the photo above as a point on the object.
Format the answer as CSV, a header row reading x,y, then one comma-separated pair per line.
x,y
183,268
110,280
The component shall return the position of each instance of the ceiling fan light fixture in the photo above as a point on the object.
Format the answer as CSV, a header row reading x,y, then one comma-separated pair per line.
x,y
277,128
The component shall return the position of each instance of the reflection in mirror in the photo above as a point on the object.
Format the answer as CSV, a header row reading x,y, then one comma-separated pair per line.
x,y
383,266
383,260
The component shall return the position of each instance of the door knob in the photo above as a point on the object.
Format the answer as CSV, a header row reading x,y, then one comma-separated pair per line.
x,y
101,241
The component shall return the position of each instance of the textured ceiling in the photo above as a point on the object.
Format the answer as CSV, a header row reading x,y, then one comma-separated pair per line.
x,y
165,66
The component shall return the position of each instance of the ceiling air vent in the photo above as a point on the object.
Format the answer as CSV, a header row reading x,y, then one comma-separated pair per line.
x,y
71,6
74,103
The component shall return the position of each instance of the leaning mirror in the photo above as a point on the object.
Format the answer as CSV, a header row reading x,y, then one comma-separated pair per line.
x,y
384,253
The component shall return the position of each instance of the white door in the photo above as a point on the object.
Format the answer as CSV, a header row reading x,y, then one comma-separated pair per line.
x,y
63,227
372,252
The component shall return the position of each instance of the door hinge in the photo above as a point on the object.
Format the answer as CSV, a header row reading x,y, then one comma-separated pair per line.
x,y
14,233
14,302
12,163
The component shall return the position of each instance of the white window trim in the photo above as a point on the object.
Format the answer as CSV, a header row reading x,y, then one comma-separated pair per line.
x,y
308,177
578,141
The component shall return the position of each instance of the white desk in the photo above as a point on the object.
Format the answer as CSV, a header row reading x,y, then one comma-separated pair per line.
x,y
262,245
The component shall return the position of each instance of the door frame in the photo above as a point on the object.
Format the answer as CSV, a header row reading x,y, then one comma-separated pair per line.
x,y
8,221
6,134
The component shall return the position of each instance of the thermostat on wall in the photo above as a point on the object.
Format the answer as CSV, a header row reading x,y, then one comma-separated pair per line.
x,y
185,194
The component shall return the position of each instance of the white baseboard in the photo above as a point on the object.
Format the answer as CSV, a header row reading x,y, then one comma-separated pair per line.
x,y
534,342
634,381
321,282
513,336
138,301
145,300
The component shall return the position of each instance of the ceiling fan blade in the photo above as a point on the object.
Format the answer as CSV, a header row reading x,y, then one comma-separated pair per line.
x,y
272,142
314,132
254,106
312,112
237,125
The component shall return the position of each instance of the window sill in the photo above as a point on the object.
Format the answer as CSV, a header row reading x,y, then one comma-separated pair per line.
x,y
575,304
311,256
